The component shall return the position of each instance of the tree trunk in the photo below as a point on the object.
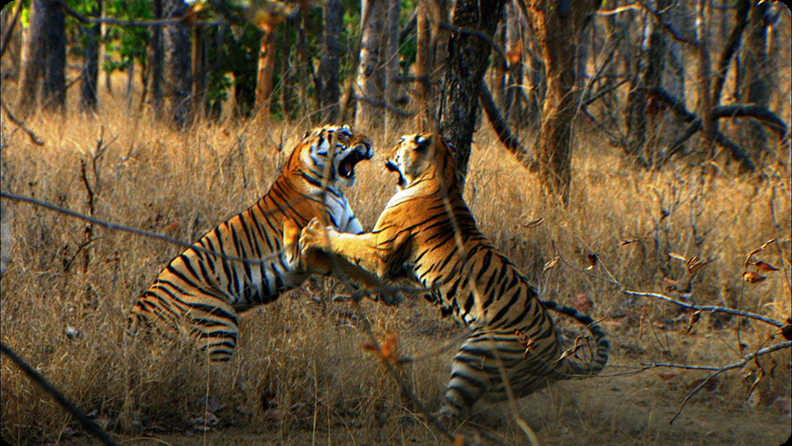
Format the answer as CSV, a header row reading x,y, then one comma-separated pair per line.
x,y
200,70
156,61
266,68
54,88
329,65
709,122
177,58
636,119
89,76
423,71
467,58
12,31
557,26
757,89
390,51
32,58
369,85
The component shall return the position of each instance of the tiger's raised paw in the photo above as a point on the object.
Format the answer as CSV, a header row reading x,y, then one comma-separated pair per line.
x,y
315,236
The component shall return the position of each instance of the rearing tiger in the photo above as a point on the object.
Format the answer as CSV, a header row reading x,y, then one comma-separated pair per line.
x,y
427,232
200,293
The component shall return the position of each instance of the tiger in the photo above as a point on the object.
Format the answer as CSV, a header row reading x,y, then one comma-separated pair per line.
x,y
427,234
200,292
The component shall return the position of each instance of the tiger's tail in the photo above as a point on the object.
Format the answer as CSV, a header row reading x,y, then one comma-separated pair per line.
x,y
573,367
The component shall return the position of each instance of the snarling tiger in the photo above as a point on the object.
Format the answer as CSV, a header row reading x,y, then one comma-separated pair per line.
x,y
200,293
428,233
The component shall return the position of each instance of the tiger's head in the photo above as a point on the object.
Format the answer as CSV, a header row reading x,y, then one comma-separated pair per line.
x,y
421,157
330,153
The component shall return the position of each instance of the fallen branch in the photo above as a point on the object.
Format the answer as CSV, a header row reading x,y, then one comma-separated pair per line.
x,y
33,137
710,308
87,424
501,128
736,365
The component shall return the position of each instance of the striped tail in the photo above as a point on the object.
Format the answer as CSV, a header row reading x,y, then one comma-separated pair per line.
x,y
573,367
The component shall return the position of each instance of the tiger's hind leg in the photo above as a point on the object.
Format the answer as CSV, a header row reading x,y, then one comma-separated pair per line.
x,y
216,327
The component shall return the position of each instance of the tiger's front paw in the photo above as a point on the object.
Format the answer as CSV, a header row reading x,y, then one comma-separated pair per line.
x,y
315,237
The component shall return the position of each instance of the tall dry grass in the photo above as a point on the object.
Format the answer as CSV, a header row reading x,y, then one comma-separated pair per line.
x,y
300,374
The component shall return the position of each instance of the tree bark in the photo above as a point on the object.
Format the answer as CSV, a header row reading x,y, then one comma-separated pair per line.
x,y
266,69
423,70
156,62
54,87
89,76
757,89
557,25
200,70
391,53
370,80
32,59
328,67
177,58
467,58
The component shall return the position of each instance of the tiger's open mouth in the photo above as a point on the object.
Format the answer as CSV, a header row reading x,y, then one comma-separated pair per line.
x,y
393,167
346,168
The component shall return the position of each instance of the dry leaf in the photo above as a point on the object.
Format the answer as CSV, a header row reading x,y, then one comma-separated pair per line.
x,y
771,241
459,440
671,284
674,255
527,343
627,242
753,278
533,223
758,378
551,264
172,226
765,267
786,331
694,264
592,259
389,346
692,321
667,376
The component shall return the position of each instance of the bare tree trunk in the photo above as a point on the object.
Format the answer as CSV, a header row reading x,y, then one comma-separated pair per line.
x,y
756,88
200,70
391,53
329,65
266,68
130,82
12,33
177,54
156,61
466,62
54,88
710,123
557,25
423,70
635,116
369,86
90,70
32,58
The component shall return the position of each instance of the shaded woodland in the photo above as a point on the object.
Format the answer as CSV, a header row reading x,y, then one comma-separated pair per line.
x,y
692,79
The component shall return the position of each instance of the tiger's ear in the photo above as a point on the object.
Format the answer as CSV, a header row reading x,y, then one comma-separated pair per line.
x,y
422,142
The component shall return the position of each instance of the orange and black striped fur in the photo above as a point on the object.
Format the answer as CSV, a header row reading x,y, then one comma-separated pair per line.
x,y
427,233
200,293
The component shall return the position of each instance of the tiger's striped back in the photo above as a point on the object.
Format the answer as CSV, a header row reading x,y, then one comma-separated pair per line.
x,y
200,293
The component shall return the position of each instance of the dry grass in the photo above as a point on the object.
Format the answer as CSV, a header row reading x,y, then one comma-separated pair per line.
x,y
300,375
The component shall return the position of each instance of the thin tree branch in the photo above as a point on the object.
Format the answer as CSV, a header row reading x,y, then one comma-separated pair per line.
x,y
676,35
710,308
382,104
31,135
736,365
87,424
7,36
187,19
117,227
409,27
733,43
501,128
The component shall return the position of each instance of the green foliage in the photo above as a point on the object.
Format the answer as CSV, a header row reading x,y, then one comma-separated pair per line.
x,y
125,45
